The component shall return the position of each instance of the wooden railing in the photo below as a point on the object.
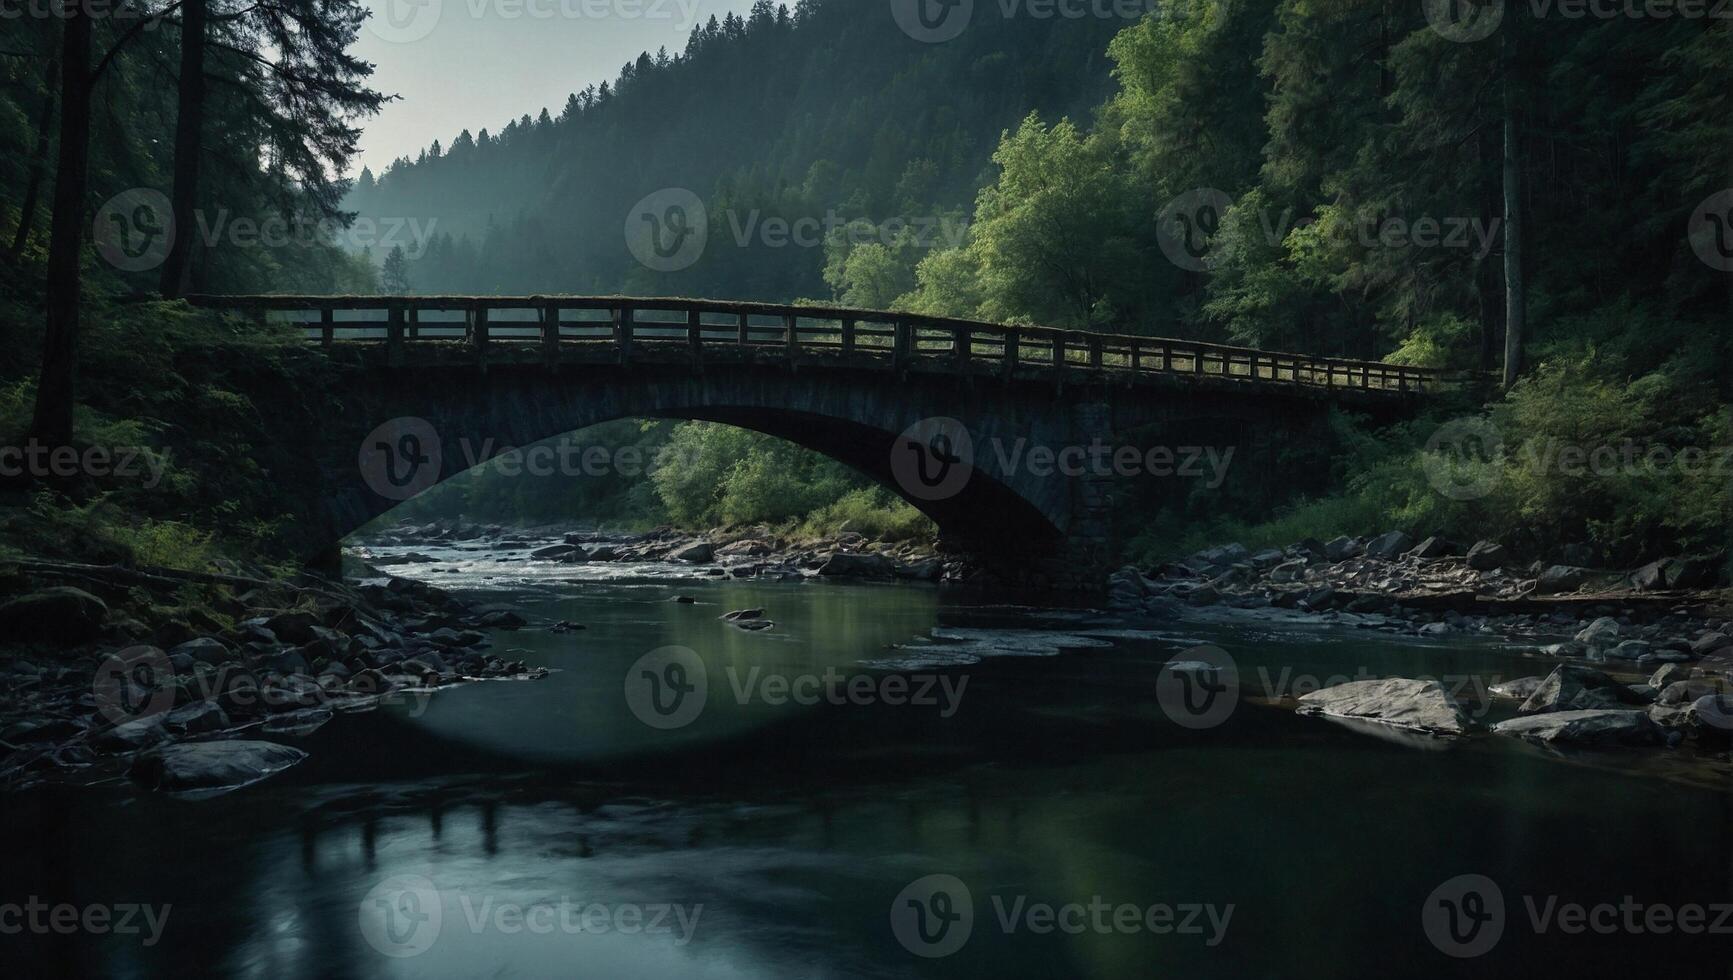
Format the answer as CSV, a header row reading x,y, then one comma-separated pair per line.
x,y
621,328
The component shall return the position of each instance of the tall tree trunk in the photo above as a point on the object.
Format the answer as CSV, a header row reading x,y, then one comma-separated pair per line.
x,y
1515,306
1485,275
52,424
189,124
38,158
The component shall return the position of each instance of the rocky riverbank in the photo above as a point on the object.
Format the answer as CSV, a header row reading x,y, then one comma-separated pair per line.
x,y
753,552
188,682
1644,657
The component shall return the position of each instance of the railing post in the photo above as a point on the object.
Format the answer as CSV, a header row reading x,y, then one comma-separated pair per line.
x,y
1094,352
1366,378
1136,357
623,331
327,327
1059,358
1197,360
901,331
847,335
551,334
394,335
481,338
963,340
695,337
414,322
744,335
1013,350
791,337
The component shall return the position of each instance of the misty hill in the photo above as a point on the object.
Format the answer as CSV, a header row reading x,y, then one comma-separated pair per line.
x,y
826,111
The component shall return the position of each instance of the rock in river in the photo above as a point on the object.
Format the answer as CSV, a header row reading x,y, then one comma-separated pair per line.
x,y
213,765
1573,688
1420,705
1595,726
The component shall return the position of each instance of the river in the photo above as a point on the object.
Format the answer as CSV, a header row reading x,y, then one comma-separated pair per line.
x,y
999,794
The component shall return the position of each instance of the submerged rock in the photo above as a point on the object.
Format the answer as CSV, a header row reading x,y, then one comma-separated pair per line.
x,y
1587,727
212,765
860,566
1415,704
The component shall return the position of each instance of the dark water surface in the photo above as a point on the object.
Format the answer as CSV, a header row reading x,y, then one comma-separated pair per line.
x,y
540,829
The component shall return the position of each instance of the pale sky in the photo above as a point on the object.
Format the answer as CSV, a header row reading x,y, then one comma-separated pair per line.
x,y
474,64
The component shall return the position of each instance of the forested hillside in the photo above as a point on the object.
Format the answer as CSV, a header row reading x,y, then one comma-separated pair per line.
x,y
1274,173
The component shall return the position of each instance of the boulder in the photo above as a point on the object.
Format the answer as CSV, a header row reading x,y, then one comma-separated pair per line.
x,y
1414,704
1521,688
140,733
61,615
1226,554
844,564
294,626
205,650
741,615
1650,577
1690,573
923,571
1389,544
1708,643
1631,650
1601,632
1573,688
1667,675
1268,558
1713,712
559,552
1436,547
197,718
1560,578
1289,571
1486,556
1343,548
1597,726
1686,691
212,765
698,553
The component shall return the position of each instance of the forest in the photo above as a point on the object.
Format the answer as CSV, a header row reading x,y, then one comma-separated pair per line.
x,y
1542,209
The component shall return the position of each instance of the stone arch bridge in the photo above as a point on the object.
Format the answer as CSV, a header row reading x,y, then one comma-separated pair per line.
x,y
930,407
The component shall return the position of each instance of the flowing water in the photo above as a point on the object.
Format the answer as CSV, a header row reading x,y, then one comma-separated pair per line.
x,y
875,737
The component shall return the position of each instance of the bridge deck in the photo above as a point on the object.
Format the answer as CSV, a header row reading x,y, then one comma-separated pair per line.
x,y
621,329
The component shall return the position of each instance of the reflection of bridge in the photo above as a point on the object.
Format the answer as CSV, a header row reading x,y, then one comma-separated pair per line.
x,y
844,382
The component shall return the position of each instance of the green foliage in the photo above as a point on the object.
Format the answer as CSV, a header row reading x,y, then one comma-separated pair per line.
x,y
874,512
